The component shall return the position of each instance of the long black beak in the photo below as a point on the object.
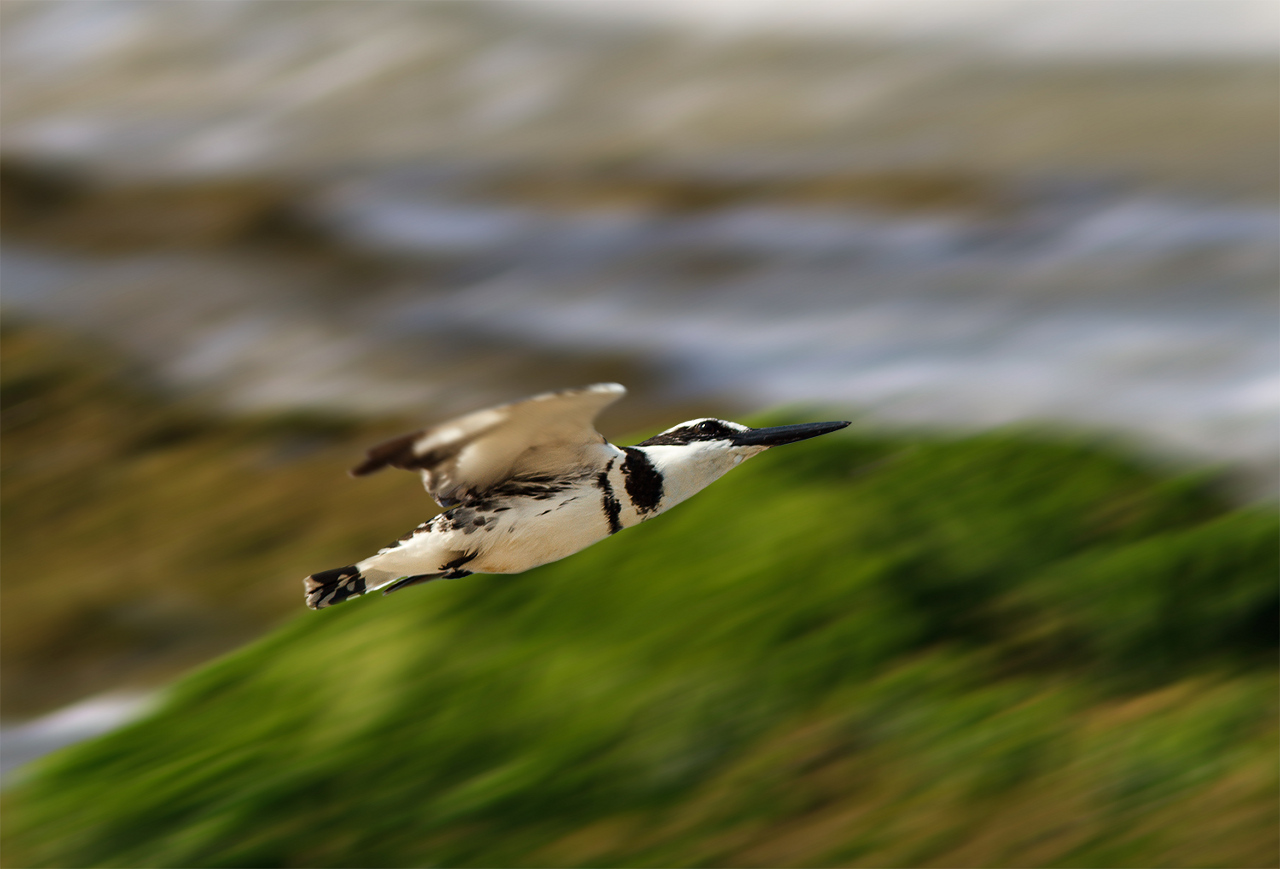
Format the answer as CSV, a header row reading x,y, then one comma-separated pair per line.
x,y
786,434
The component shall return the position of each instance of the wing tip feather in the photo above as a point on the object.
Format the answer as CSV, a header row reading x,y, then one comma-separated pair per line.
x,y
614,389
406,452
394,452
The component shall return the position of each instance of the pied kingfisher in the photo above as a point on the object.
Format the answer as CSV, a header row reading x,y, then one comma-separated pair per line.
x,y
532,482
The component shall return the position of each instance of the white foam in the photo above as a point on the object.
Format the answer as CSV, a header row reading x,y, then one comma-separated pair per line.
x,y
21,744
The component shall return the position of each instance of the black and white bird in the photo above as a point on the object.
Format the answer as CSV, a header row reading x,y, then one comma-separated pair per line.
x,y
532,482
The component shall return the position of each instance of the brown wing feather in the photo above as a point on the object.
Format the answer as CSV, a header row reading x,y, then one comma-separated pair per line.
x,y
400,453
500,441
396,453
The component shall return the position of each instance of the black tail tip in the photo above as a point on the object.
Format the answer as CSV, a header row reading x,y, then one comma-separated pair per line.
x,y
333,586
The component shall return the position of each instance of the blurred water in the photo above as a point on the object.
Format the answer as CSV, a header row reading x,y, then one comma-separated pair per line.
x,y
76,723
1111,263
1151,316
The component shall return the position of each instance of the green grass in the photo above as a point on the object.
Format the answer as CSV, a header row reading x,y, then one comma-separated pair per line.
x,y
995,650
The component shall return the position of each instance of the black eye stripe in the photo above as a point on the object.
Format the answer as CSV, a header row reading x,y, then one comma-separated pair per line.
x,y
706,430
714,427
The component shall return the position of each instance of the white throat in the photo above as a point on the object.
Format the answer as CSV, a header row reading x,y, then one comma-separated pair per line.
x,y
687,469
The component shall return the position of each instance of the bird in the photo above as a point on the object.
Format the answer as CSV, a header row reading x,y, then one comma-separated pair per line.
x,y
531,482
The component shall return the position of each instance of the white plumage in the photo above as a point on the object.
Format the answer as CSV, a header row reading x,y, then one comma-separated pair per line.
x,y
531,482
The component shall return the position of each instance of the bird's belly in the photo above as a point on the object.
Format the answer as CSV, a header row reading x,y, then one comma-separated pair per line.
x,y
530,533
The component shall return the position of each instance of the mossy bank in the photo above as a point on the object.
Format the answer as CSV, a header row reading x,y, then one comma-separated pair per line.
x,y
987,651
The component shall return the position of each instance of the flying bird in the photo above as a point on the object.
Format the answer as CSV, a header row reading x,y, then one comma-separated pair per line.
x,y
532,482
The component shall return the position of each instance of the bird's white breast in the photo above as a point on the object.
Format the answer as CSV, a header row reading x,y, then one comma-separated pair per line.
x,y
522,533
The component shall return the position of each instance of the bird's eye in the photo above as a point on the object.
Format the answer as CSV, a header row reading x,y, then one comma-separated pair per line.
x,y
704,428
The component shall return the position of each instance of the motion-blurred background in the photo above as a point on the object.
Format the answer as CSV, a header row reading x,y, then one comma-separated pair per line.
x,y
1026,615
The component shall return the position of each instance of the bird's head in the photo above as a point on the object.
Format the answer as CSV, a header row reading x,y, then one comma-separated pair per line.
x,y
694,454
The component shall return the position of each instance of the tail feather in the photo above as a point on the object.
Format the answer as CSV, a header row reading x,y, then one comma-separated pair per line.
x,y
379,572
334,586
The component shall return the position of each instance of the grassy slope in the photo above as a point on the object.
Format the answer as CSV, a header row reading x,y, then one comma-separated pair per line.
x,y
982,652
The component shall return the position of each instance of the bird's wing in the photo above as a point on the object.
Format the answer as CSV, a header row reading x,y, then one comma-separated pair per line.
x,y
547,434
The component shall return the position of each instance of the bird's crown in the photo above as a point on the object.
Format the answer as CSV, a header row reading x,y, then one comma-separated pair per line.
x,y
695,430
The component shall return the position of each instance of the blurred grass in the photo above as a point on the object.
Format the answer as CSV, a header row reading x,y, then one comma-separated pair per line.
x,y
995,650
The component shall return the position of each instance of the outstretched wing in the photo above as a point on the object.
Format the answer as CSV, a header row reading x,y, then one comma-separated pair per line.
x,y
548,434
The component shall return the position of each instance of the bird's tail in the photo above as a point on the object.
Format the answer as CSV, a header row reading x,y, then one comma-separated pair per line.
x,y
334,586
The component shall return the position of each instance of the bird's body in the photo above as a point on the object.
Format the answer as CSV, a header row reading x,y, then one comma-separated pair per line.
x,y
533,482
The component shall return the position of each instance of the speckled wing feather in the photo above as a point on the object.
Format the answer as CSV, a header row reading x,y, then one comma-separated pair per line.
x,y
548,434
